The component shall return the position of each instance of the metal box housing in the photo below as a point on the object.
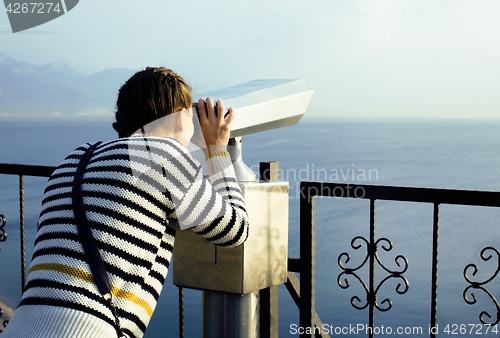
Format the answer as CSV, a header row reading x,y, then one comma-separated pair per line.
x,y
259,263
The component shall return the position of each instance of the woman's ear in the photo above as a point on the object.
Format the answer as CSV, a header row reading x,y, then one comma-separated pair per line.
x,y
180,119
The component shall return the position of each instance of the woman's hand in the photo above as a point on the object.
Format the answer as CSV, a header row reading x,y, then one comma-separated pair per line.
x,y
215,127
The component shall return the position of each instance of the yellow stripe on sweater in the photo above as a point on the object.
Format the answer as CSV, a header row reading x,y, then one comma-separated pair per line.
x,y
217,153
80,274
132,298
64,269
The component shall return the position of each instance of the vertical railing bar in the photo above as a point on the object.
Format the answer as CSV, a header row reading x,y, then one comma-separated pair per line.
x,y
21,225
269,312
435,232
265,313
307,257
181,312
371,251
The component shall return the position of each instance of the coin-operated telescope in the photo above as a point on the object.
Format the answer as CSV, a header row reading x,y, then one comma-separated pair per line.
x,y
232,277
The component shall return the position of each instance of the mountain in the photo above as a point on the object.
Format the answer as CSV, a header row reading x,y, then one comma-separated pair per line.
x,y
57,89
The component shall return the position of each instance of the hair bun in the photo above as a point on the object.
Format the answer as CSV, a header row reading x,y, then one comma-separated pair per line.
x,y
118,127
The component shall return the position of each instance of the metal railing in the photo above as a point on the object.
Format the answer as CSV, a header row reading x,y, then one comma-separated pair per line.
x,y
303,292
3,237
22,170
305,265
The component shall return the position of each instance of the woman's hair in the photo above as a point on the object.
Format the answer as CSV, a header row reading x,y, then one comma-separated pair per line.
x,y
149,95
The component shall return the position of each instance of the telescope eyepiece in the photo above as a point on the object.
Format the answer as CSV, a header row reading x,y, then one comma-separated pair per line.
x,y
216,108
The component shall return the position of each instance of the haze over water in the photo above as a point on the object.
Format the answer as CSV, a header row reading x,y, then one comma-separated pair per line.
x,y
431,153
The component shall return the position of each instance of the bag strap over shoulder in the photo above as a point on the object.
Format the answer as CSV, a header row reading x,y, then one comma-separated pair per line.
x,y
88,242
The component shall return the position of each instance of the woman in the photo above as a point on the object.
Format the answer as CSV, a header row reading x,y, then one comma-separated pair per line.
x,y
135,190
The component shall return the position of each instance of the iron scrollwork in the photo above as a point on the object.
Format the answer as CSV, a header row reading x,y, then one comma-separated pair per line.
x,y
3,237
479,285
372,255
3,233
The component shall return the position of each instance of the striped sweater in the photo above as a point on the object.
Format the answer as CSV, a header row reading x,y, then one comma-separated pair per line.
x,y
135,191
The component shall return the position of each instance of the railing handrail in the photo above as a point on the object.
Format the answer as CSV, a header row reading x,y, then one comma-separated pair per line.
x,y
379,192
404,194
25,169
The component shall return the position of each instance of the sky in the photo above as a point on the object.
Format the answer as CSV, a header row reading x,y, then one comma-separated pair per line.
x,y
363,58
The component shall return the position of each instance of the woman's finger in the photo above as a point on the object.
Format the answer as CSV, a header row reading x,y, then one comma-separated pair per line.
x,y
202,113
229,117
210,109
220,112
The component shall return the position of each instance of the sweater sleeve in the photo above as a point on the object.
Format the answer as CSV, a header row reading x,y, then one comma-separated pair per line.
x,y
215,208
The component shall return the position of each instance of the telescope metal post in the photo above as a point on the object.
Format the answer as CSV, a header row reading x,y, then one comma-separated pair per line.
x,y
232,276
242,171
228,315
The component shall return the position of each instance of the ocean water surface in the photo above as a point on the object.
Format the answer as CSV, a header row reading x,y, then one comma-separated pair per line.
x,y
432,153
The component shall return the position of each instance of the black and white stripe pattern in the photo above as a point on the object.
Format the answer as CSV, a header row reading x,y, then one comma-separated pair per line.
x,y
135,191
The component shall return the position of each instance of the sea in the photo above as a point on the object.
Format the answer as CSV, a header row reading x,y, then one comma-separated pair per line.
x,y
449,154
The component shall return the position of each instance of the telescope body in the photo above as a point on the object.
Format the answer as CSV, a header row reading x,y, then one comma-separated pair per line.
x,y
261,105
